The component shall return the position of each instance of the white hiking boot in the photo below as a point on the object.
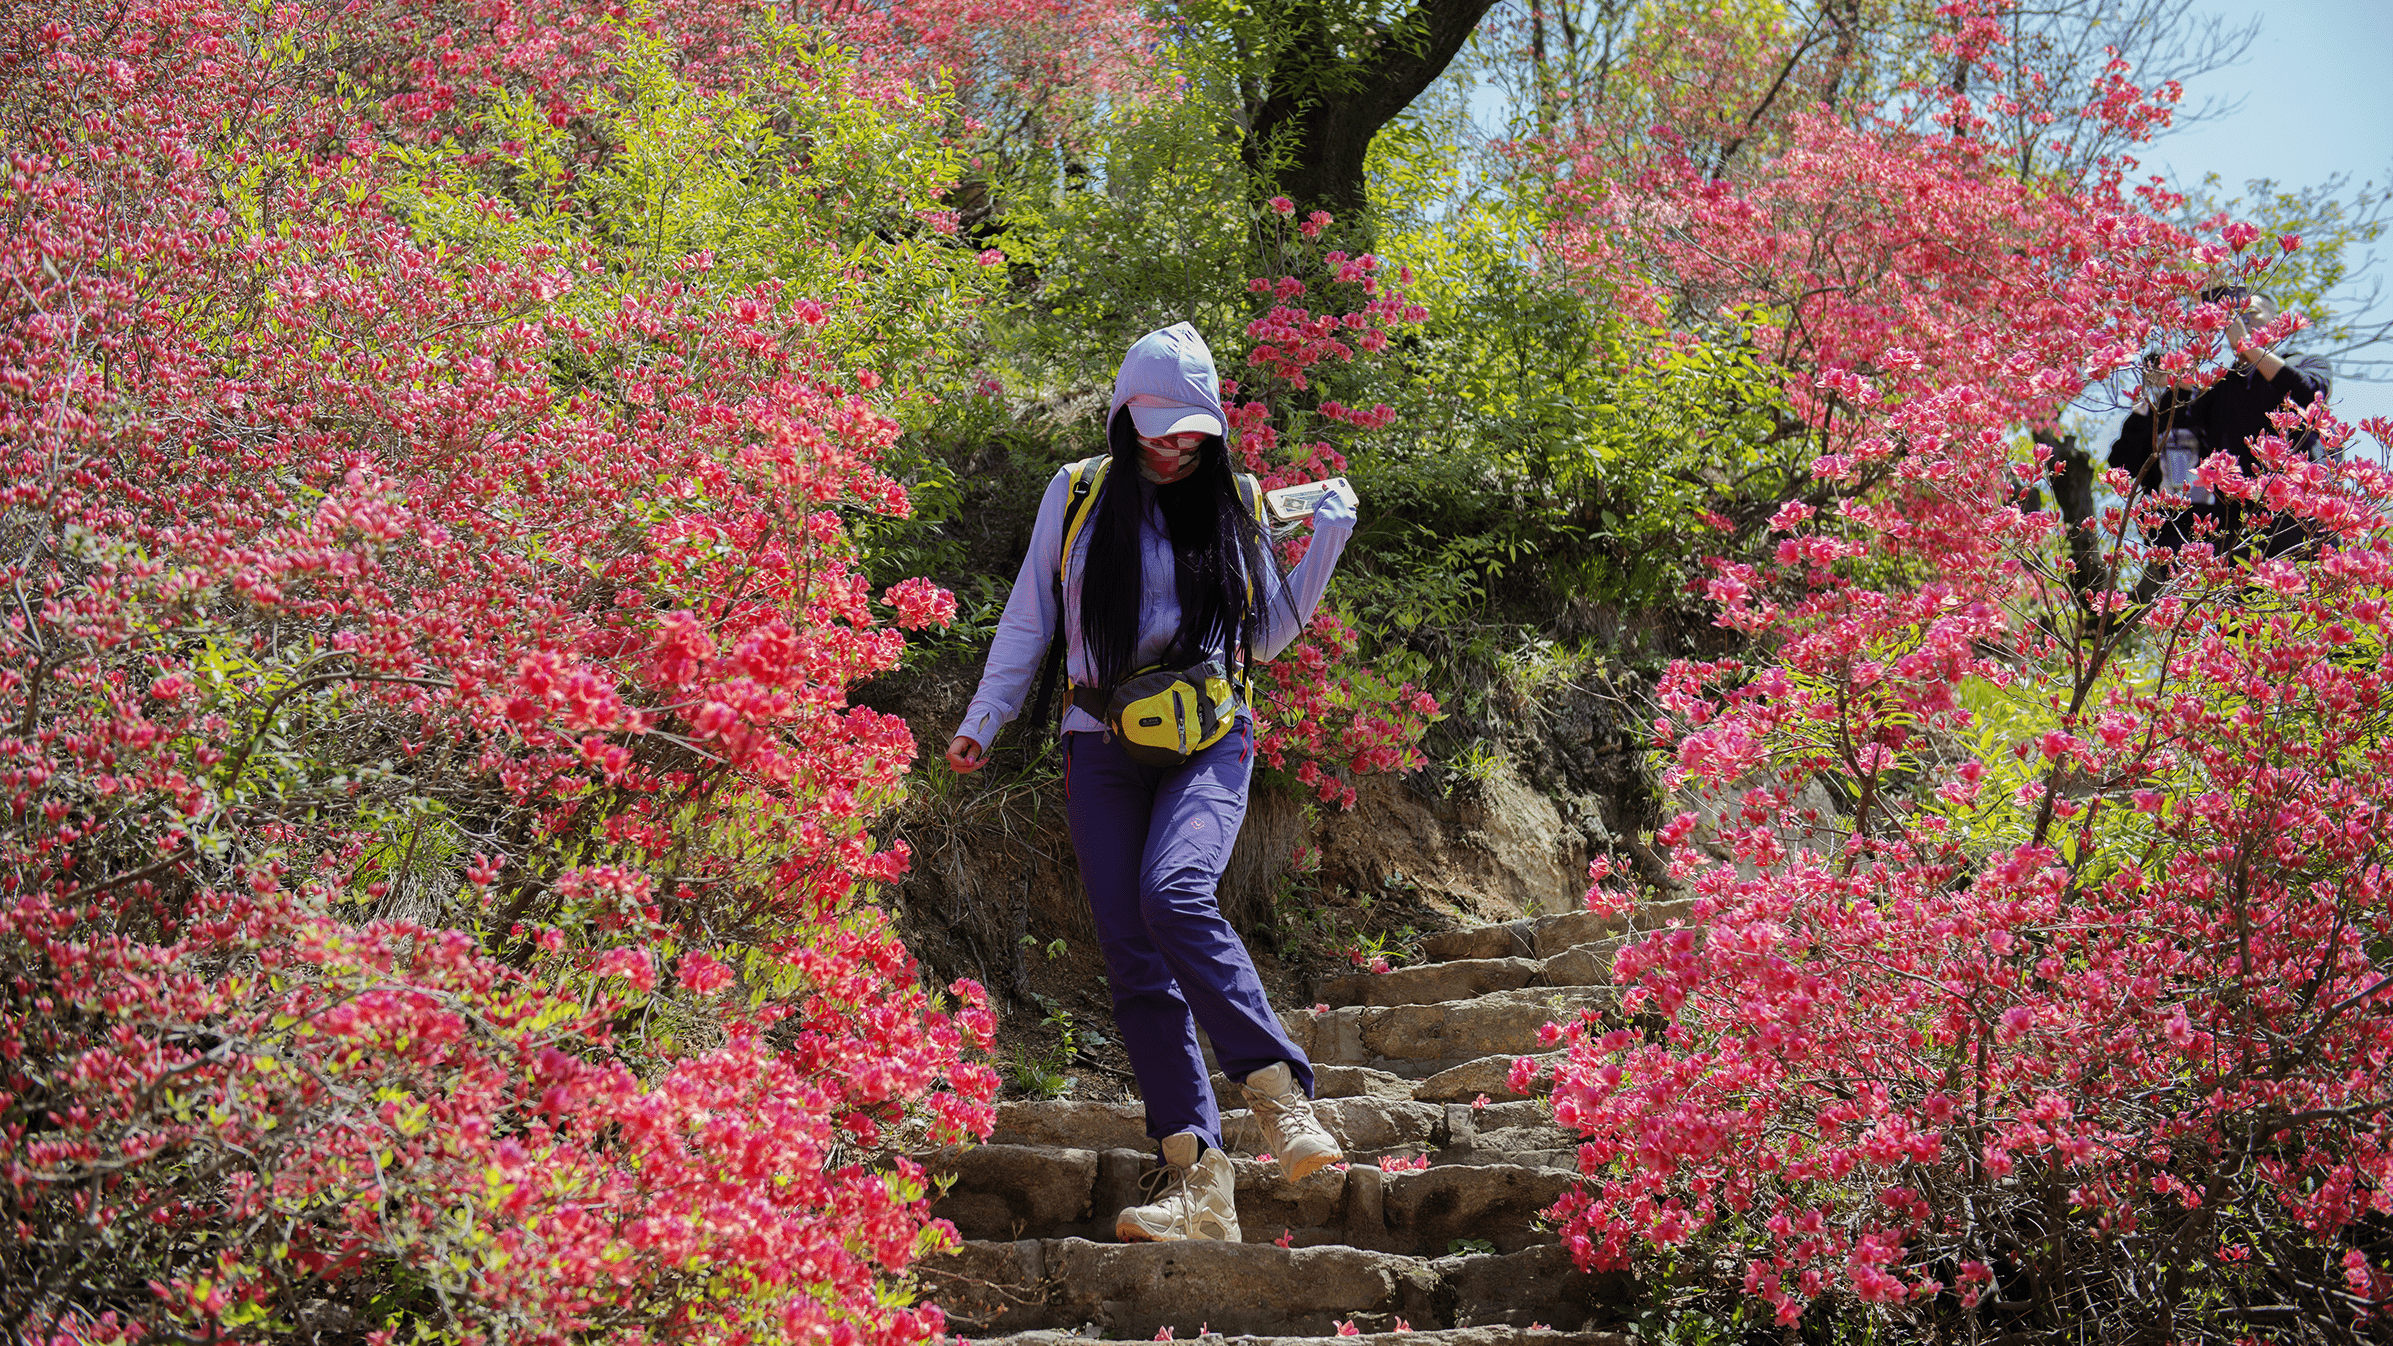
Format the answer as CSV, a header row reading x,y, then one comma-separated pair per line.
x,y
1290,1129
1198,1197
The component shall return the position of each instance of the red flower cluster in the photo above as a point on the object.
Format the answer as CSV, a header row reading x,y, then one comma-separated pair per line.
x,y
2023,961
1328,716
2134,958
435,820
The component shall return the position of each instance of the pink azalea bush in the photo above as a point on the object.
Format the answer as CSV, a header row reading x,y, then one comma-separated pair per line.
x,y
436,829
2036,978
1328,716
2090,980
1007,63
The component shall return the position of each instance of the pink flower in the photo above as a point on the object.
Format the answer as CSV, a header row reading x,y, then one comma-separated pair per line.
x,y
2015,1023
2359,1274
614,628
633,965
702,973
1281,205
1875,1286
920,603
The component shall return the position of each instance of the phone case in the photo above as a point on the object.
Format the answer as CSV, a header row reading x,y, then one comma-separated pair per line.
x,y
1291,503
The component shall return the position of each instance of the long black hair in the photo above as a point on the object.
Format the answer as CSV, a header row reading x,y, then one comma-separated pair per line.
x,y
1215,538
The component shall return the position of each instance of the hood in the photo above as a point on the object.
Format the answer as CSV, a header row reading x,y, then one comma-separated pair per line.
x,y
1169,383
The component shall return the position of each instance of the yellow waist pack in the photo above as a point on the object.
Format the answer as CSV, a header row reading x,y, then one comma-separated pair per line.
x,y
1164,716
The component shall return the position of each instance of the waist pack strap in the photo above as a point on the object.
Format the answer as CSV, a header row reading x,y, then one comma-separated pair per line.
x,y
1098,701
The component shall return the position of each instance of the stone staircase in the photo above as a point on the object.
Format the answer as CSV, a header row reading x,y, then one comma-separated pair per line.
x,y
1410,1063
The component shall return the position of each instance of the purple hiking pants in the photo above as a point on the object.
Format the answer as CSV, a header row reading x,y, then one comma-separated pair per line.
x,y
1152,843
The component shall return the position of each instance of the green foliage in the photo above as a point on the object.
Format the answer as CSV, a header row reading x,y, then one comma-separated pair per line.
x,y
1551,447
2336,222
810,186
1480,761
1146,227
810,192
1040,1071
1369,948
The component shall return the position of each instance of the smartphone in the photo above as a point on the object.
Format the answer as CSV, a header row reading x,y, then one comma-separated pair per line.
x,y
1291,503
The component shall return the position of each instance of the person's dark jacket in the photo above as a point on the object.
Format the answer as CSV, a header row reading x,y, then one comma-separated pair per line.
x,y
2137,450
2227,415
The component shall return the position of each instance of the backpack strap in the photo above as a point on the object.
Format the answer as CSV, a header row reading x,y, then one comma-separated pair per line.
x,y
1086,476
1251,491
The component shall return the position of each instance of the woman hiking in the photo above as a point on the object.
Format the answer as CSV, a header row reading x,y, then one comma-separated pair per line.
x,y
1167,573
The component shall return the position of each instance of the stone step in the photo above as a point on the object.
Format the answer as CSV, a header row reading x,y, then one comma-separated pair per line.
x,y
1489,1075
1508,1133
1430,1211
1532,937
1072,1123
1008,1192
1457,979
1542,937
1464,979
1133,1290
1538,1335
1371,1128
1422,1041
1329,1081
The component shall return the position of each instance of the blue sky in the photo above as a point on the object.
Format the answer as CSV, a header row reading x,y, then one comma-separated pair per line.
x,y
2317,91
2317,99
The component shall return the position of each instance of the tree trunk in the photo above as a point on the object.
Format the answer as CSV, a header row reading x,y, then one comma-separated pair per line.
x,y
2073,492
1320,109
1544,78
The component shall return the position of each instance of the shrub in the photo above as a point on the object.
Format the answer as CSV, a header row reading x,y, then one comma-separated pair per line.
x,y
436,829
2037,979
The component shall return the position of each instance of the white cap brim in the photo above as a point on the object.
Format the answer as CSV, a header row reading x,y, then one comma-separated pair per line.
x,y
1177,419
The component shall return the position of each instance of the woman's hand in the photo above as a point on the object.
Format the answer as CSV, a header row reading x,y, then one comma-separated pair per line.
x,y
1333,512
966,755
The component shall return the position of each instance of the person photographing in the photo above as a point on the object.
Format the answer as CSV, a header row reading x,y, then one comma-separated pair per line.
x,y
2173,427
1152,565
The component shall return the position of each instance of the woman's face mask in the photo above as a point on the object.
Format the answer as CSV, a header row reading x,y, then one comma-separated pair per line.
x,y
1170,457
